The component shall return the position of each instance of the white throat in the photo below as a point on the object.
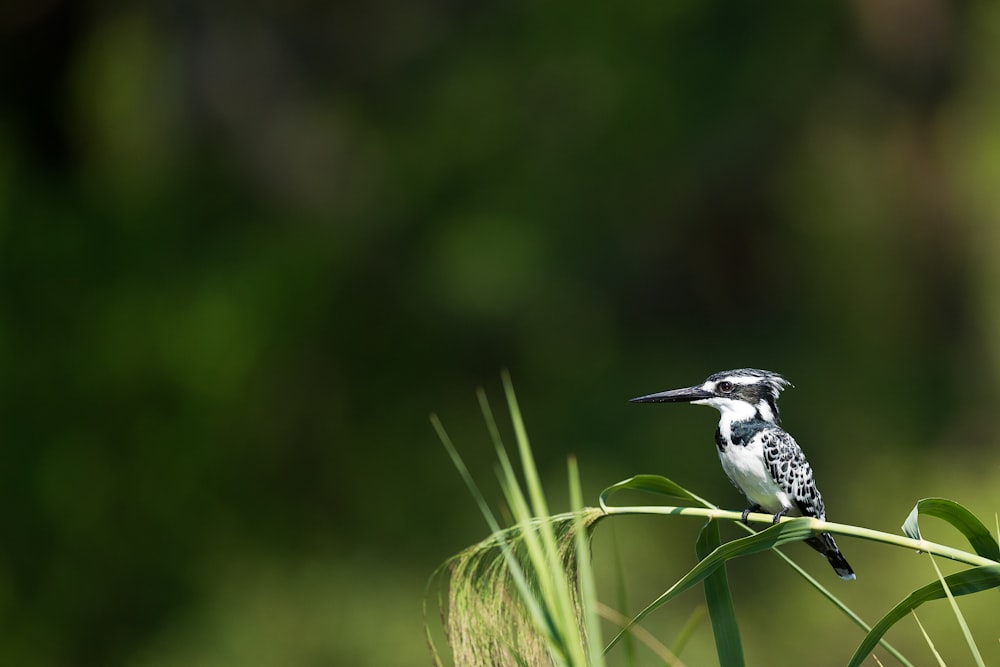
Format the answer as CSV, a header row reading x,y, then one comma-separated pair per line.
x,y
733,410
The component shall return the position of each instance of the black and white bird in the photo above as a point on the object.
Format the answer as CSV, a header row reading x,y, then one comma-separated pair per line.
x,y
760,458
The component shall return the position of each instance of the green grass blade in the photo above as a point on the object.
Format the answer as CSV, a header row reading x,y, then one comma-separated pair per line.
x,y
653,484
491,422
555,584
536,611
643,636
847,611
720,600
621,588
550,614
782,533
958,516
587,584
959,616
539,506
927,638
965,582
663,486
687,630
531,478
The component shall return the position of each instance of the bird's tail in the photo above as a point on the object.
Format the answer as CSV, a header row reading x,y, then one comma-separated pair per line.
x,y
824,544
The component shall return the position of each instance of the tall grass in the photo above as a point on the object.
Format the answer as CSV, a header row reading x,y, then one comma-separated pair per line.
x,y
516,598
526,595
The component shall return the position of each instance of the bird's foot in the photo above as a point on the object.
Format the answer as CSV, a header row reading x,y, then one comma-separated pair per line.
x,y
783,512
746,513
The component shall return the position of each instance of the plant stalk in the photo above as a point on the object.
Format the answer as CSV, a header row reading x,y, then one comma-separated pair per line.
x,y
819,526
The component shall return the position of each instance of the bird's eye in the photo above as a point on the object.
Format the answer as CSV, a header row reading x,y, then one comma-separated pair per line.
x,y
725,386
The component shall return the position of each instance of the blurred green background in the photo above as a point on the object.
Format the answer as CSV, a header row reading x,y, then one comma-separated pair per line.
x,y
248,247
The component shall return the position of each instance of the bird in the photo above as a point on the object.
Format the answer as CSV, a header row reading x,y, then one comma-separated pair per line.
x,y
760,458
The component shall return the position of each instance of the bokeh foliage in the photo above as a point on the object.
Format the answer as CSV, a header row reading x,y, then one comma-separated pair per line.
x,y
246,248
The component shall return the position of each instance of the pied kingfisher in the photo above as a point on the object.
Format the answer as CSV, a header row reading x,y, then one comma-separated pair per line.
x,y
762,460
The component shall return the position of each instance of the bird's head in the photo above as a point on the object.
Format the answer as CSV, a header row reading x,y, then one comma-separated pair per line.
x,y
743,393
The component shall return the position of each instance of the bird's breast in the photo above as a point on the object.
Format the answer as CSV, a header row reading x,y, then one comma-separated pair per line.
x,y
745,467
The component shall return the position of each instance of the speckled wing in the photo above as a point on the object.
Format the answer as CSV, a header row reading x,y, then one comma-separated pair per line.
x,y
790,470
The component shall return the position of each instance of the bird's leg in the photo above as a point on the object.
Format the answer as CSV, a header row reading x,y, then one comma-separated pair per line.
x,y
783,512
753,508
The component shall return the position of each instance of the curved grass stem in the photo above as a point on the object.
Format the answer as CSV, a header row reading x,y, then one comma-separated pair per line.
x,y
817,525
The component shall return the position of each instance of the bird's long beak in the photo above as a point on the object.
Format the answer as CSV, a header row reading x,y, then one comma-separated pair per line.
x,y
685,395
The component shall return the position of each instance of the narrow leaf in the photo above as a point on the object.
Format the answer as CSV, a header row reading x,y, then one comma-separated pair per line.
x,y
653,484
958,516
687,630
823,590
782,533
622,589
959,616
643,635
536,611
965,582
587,585
720,601
927,638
